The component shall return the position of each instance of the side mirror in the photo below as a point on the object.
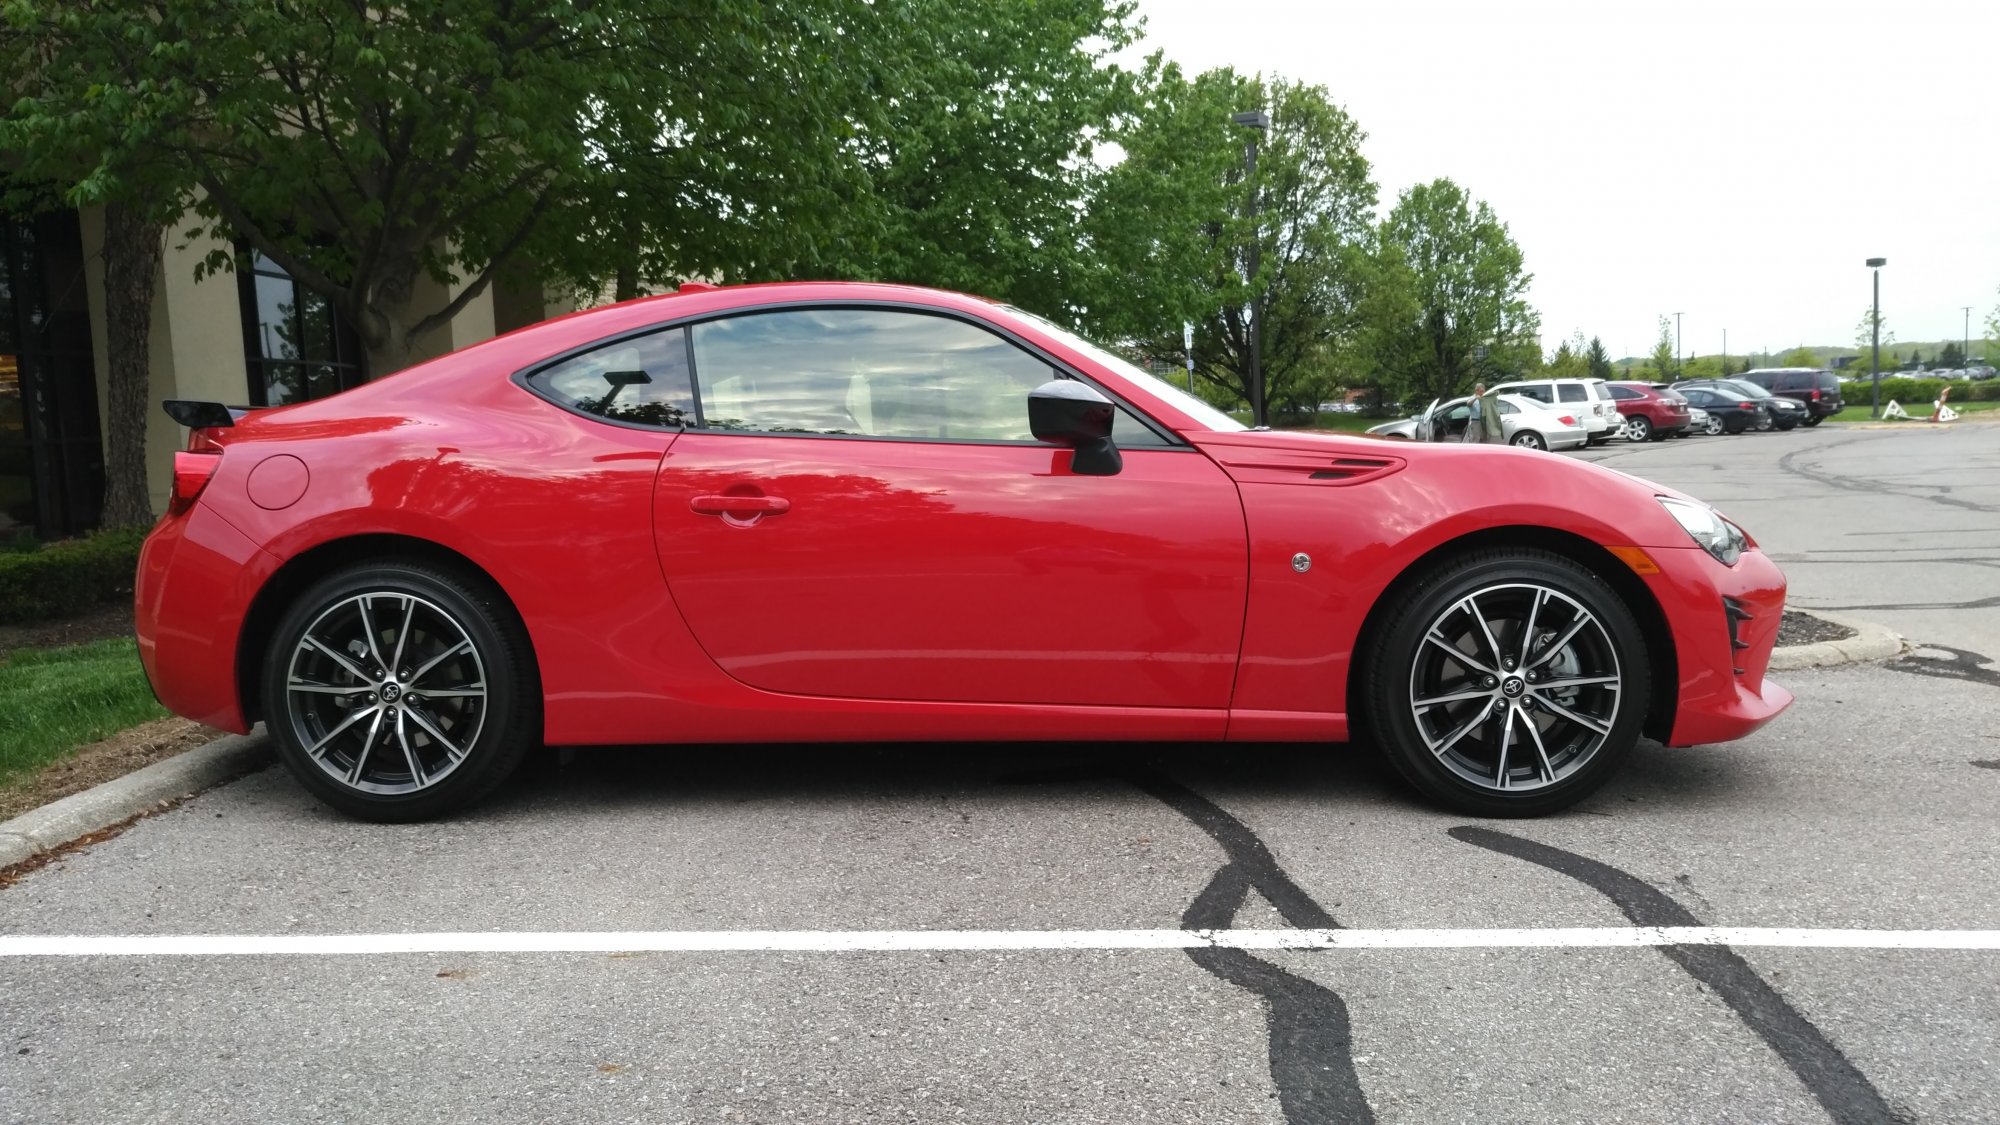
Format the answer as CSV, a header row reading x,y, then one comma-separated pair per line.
x,y
1066,412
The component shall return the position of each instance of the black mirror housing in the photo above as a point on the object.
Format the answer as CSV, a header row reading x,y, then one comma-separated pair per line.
x,y
1067,412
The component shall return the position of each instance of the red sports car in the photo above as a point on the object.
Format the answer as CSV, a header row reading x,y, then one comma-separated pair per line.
x,y
842,512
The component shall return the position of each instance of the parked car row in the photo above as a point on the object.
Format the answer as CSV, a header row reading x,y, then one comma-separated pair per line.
x,y
1567,413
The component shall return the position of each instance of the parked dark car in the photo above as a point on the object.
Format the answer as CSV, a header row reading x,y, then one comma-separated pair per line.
x,y
1651,413
1728,411
1779,413
1815,389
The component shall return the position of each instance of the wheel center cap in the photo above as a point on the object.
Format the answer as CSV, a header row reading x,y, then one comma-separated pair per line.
x,y
1513,686
391,690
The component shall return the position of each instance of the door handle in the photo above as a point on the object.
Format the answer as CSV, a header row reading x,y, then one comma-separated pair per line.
x,y
740,505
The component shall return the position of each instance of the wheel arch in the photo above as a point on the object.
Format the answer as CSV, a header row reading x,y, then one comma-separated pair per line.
x,y
1630,588
309,566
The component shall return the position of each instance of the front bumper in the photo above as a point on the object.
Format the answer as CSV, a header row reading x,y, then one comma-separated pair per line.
x,y
1724,621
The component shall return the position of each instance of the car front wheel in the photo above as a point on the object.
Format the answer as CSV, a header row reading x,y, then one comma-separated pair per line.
x,y
1639,428
1508,683
399,691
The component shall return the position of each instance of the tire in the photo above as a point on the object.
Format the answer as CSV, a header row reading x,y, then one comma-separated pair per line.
x,y
1788,425
389,743
1451,747
1815,420
1714,426
1529,439
1639,428
1592,440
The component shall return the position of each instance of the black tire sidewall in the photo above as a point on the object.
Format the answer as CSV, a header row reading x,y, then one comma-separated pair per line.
x,y
512,703
1394,649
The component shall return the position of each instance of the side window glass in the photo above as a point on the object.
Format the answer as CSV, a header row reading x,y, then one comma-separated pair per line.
x,y
870,372
1538,392
1624,393
642,380
1572,392
1508,407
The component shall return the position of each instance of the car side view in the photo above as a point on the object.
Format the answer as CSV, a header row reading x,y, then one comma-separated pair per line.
x,y
831,512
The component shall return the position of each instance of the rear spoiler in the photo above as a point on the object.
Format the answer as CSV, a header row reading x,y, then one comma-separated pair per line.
x,y
203,415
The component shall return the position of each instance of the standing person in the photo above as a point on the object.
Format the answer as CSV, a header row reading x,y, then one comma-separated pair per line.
x,y
1484,423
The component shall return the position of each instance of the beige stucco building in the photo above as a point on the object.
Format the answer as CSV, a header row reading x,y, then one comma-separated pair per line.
x,y
245,337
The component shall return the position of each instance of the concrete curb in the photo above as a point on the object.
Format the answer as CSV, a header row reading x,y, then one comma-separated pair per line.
x,y
1870,642
121,798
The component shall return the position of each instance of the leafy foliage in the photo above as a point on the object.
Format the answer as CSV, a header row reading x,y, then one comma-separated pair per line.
x,y
1169,231
1597,359
1450,305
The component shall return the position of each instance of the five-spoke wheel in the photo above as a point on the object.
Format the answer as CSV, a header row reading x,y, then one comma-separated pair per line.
x,y
1508,683
398,691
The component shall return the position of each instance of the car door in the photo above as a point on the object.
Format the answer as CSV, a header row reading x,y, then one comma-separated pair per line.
x,y
860,511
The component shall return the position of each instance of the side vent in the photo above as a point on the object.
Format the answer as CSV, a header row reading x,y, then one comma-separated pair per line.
x,y
1347,468
1304,466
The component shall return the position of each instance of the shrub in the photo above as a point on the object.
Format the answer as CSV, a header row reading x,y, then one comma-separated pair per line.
x,y
68,576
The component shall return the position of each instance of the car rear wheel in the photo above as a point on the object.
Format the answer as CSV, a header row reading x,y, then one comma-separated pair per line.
x,y
1508,683
1639,428
1714,426
398,691
1529,439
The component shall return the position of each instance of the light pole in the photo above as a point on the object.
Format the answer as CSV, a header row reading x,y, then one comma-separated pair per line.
x,y
1725,353
1677,344
1875,337
1965,343
1258,121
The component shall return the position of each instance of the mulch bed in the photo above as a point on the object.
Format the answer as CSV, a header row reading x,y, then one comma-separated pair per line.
x,y
1804,629
99,624
99,762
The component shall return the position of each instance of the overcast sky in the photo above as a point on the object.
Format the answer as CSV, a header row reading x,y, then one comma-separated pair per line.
x,y
1735,162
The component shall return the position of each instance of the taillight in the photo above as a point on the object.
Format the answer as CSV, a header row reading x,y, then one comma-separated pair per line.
x,y
191,473
1567,420
1815,394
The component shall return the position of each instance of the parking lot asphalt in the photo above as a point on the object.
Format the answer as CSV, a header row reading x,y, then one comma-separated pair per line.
x,y
1868,807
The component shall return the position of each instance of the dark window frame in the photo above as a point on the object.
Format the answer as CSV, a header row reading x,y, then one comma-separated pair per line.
x,y
349,361
523,377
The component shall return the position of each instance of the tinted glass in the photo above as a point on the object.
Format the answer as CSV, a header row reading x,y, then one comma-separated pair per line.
x,y
1537,391
1624,393
876,373
642,380
1828,381
1572,392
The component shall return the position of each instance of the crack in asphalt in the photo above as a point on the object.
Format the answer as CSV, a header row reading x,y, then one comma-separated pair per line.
x,y
1311,1037
1815,473
1839,1086
1963,665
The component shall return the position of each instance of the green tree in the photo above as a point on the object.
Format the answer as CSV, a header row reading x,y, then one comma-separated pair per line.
x,y
1450,306
1951,355
1666,365
1864,333
1598,360
1566,363
1169,229
1803,356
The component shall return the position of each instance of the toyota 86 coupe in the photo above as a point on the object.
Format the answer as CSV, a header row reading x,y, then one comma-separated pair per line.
x,y
843,512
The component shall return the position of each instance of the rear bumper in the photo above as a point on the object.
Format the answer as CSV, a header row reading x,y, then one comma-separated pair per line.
x,y
1724,621
197,578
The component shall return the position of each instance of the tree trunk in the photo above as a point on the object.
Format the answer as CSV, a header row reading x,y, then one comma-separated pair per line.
x,y
131,274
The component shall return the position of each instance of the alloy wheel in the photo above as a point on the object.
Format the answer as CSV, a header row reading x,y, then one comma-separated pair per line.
x,y
386,692
1515,687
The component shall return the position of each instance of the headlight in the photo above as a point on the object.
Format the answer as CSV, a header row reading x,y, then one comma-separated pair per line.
x,y
1705,526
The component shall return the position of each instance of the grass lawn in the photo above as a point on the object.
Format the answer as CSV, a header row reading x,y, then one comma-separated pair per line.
x,y
53,700
1918,412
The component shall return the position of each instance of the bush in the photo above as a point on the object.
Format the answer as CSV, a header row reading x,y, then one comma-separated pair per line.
x,y
68,576
1907,390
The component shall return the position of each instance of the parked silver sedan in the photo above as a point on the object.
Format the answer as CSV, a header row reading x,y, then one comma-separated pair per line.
x,y
1526,422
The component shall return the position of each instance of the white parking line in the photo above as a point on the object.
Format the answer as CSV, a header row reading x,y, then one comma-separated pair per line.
x,y
880,941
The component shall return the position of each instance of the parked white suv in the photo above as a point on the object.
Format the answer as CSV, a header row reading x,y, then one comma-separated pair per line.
x,y
1590,398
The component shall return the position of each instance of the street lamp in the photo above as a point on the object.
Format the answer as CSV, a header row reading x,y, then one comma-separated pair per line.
x,y
1677,344
1965,343
1875,334
1259,121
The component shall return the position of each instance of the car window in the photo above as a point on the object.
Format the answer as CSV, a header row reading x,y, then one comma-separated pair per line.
x,y
1572,392
1828,381
642,380
1508,407
1537,391
1624,393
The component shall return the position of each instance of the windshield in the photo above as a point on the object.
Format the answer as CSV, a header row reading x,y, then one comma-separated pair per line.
x,y
1180,399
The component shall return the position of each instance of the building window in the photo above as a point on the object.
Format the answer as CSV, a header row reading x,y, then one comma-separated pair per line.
x,y
298,348
51,461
